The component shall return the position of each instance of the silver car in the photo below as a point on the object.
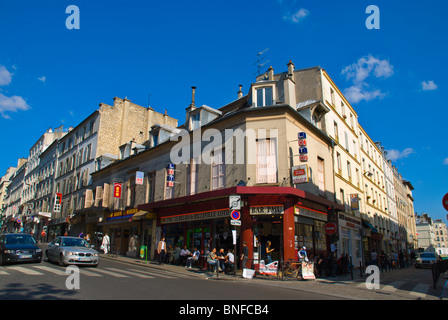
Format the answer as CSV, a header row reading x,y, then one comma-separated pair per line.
x,y
71,250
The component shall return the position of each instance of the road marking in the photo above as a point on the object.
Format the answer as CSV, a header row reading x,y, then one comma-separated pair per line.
x,y
88,273
420,290
136,274
153,274
52,270
394,286
4,272
26,271
114,274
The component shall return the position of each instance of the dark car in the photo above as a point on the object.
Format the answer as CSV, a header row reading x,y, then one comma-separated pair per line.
x,y
19,247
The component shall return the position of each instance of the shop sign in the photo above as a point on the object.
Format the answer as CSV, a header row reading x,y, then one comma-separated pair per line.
x,y
299,174
117,190
204,215
121,214
303,151
139,177
170,175
314,214
261,210
354,201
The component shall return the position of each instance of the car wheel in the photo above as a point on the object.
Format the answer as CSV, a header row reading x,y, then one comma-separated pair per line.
x,y
61,260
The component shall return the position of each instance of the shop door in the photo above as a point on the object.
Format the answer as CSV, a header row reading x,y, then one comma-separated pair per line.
x,y
269,229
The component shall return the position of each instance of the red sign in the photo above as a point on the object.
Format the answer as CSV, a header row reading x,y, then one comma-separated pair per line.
x,y
330,228
117,190
445,201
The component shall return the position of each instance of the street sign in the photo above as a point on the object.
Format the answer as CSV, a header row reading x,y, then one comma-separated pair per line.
x,y
445,202
235,202
235,222
330,228
236,215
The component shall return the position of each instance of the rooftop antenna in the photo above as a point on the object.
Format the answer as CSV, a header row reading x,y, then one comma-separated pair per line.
x,y
260,63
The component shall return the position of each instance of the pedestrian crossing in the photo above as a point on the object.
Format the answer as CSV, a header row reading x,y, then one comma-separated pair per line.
x,y
42,270
419,290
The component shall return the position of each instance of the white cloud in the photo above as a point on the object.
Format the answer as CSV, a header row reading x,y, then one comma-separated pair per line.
x,y
397,154
5,76
11,104
298,16
43,79
367,66
429,85
445,161
360,71
359,92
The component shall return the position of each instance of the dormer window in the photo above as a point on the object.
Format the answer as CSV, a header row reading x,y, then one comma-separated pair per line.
x,y
264,97
196,121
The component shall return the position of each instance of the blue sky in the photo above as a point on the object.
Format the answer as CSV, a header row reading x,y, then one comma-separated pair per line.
x,y
154,51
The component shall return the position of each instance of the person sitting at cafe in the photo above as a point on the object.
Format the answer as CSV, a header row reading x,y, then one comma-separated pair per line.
x,y
193,258
184,254
221,258
212,259
230,260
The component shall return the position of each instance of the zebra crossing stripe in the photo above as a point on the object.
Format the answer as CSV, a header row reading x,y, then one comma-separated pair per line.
x,y
394,286
26,271
88,273
4,272
153,274
420,290
52,270
136,274
114,274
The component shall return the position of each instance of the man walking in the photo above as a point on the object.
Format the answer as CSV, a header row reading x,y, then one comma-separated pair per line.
x,y
161,250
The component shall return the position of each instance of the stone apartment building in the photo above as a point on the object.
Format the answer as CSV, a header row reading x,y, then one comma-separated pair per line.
x,y
250,148
440,237
91,145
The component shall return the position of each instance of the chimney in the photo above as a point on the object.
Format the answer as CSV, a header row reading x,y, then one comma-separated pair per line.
x,y
290,68
270,74
240,93
193,91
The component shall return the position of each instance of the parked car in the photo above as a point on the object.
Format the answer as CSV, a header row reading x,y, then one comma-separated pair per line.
x,y
19,247
425,260
71,250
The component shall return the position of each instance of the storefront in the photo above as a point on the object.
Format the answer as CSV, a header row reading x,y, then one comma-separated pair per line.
x,y
350,238
287,217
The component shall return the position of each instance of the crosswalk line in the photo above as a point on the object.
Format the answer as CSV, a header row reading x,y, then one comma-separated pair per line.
x,y
153,274
4,272
89,274
114,274
26,271
136,274
52,270
394,286
420,290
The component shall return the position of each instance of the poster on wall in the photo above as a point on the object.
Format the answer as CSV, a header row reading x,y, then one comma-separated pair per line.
x,y
307,271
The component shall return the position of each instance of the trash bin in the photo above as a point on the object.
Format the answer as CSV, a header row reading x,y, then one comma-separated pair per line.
x,y
144,252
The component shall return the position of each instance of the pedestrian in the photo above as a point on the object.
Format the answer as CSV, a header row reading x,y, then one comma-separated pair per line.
x,y
268,252
244,255
161,250
302,254
81,235
374,258
105,245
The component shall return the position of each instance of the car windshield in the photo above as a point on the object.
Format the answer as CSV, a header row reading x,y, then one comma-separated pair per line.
x,y
19,239
427,255
74,242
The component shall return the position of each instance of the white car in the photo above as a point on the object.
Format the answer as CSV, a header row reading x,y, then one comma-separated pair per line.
x,y
425,260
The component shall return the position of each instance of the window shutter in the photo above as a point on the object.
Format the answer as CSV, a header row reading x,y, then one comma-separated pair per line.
x,y
106,191
89,198
98,195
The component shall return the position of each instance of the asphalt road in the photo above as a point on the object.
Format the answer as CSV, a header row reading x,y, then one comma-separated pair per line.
x,y
114,280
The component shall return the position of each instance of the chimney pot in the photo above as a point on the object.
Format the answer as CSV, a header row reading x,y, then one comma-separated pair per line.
x,y
240,93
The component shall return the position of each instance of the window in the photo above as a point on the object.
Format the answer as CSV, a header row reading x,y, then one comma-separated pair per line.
x,y
341,192
151,186
218,170
264,97
195,121
320,175
266,161
349,171
336,131
338,158
192,177
332,96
